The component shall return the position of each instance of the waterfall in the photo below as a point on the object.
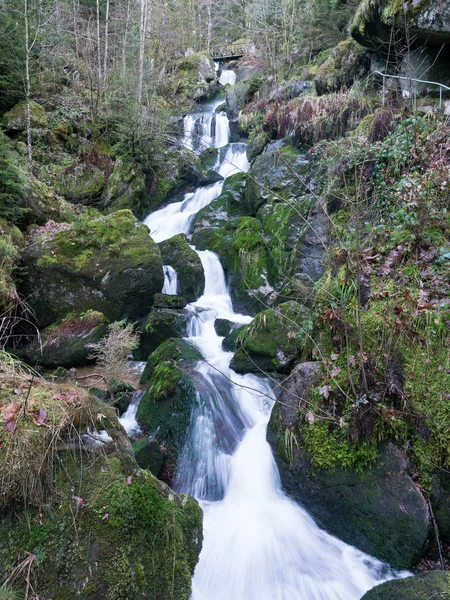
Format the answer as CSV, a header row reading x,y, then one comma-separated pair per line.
x,y
170,280
128,419
258,544
222,130
227,76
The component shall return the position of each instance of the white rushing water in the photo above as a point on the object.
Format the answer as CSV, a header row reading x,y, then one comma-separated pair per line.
x,y
258,544
170,280
227,76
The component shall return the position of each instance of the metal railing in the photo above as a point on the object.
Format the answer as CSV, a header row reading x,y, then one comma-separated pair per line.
x,y
411,79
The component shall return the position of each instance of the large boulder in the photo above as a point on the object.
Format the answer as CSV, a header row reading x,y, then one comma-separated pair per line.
x,y
42,204
97,530
274,340
347,62
66,343
380,510
84,184
426,586
428,22
177,253
276,176
16,118
109,264
195,76
165,409
160,325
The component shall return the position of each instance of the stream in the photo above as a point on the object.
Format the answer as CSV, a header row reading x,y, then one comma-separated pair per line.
x,y
258,544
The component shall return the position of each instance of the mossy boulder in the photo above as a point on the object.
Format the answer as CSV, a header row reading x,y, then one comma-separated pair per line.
x,y
16,118
256,145
121,394
274,340
195,76
42,204
379,509
297,238
241,246
240,94
126,188
428,22
169,301
165,409
177,253
276,176
66,343
173,349
208,158
160,325
434,584
107,263
149,455
229,331
347,63
82,185
93,520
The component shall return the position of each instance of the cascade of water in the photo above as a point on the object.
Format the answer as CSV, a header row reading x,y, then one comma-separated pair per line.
x,y
258,544
222,130
128,419
227,76
170,280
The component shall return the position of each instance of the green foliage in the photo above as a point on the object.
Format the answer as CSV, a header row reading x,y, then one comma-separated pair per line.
x,y
12,52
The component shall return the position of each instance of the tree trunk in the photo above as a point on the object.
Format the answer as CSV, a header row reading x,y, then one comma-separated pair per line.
x,y
99,52
141,49
105,57
28,86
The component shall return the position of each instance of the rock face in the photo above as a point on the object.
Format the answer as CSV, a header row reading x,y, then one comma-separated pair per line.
x,y
435,584
177,253
380,511
273,340
66,343
109,264
348,62
83,186
126,188
428,21
42,204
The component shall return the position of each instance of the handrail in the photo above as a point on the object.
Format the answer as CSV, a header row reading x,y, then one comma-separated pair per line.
x,y
441,85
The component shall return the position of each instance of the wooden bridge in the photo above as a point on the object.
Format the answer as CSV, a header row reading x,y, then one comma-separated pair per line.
x,y
229,53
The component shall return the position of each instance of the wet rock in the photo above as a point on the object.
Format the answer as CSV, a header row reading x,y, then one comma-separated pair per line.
x,y
149,455
121,394
109,264
160,325
274,340
276,176
177,253
229,331
126,188
434,584
196,75
380,510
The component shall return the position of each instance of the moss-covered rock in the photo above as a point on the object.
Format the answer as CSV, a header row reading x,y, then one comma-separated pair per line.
x,y
165,409
195,76
149,455
126,188
347,63
121,394
274,339
66,343
173,349
109,530
177,253
16,118
43,204
11,243
275,176
160,325
109,264
241,246
82,185
379,509
256,145
426,21
434,584
169,301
